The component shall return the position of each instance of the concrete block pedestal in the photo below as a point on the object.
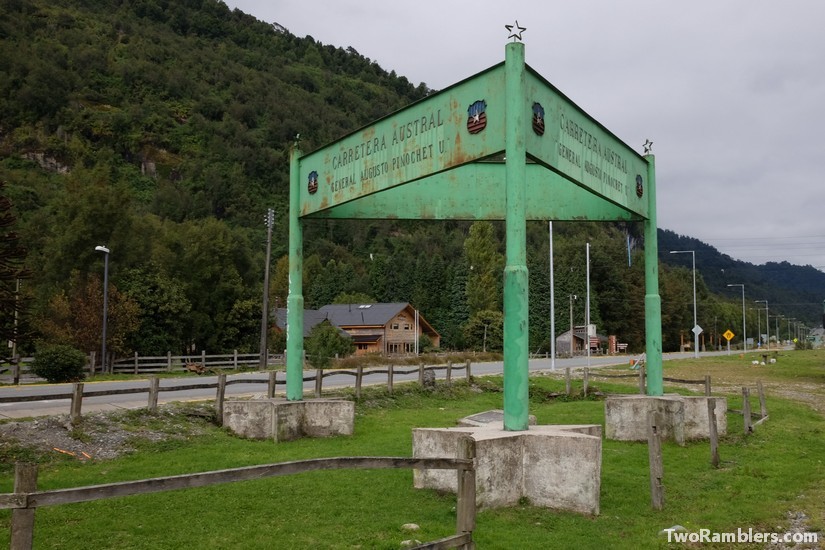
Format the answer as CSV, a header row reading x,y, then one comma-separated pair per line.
x,y
553,466
282,420
683,417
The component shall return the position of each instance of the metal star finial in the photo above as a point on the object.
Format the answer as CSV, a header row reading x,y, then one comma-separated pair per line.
x,y
648,146
517,34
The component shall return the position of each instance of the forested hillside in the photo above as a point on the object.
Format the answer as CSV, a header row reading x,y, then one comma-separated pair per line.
x,y
161,129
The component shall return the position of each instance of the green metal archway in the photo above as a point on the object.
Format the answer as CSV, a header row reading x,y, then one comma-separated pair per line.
x,y
503,144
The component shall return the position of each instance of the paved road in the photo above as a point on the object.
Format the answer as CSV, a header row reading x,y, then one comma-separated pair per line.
x,y
241,385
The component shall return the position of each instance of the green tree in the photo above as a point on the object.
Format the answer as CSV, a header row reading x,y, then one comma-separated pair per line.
x,y
12,255
485,331
324,343
214,263
353,298
163,310
75,317
486,264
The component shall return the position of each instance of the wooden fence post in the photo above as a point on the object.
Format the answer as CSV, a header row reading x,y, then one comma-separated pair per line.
x,y
746,411
92,366
713,433
763,408
585,380
235,359
221,393
359,375
319,381
137,367
271,384
567,380
421,374
203,358
77,402
22,519
154,387
707,385
654,449
468,373
389,378
466,493
169,361
15,369
449,375
642,388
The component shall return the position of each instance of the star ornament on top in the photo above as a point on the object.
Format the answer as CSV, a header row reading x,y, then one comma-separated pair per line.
x,y
648,146
515,35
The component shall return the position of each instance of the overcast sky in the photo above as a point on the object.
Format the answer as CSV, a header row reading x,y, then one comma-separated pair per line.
x,y
732,93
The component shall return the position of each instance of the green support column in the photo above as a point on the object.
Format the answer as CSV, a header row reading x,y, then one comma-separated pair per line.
x,y
516,349
653,303
295,299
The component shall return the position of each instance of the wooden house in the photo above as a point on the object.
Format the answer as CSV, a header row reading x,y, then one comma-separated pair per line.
x,y
386,328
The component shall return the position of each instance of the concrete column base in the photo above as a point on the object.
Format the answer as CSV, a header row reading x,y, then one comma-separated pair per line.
x,y
555,467
684,417
282,420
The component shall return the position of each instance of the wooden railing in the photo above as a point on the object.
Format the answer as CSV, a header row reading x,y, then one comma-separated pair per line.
x,y
640,375
153,387
26,499
170,363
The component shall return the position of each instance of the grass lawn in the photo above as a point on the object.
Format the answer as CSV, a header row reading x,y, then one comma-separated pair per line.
x,y
778,469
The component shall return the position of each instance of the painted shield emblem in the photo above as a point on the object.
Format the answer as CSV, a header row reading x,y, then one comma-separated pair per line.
x,y
312,183
538,119
640,188
477,116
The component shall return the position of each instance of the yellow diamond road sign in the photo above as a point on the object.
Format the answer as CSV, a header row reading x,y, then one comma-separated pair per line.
x,y
728,335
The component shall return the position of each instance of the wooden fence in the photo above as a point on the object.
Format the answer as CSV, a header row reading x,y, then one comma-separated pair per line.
x,y
170,363
154,388
640,375
146,364
154,364
26,499
748,416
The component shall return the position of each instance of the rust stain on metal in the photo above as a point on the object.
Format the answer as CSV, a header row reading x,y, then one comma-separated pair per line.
x,y
368,133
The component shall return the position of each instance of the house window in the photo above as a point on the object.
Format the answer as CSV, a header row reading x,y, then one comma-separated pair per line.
x,y
363,346
407,326
395,326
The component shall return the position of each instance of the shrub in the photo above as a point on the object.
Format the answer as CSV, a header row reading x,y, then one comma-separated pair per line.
x,y
59,363
326,342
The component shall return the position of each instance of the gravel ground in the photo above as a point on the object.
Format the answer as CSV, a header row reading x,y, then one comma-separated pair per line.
x,y
101,436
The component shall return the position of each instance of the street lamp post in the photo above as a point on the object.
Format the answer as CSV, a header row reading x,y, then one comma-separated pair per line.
x,y
744,324
776,328
767,323
269,221
105,304
696,328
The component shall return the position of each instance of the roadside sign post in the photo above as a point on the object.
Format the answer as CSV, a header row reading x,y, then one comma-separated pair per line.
x,y
728,335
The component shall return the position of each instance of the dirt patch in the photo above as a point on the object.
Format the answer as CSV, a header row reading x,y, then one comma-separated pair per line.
x,y
101,436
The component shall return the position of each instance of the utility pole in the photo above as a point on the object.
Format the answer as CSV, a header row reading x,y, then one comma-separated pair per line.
x,y
269,220
572,297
